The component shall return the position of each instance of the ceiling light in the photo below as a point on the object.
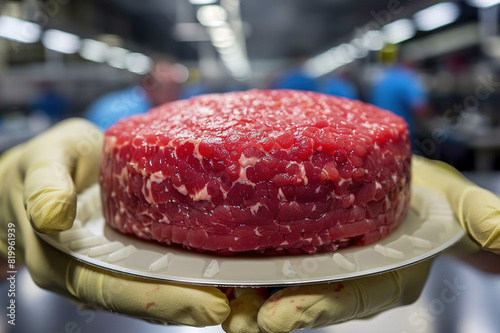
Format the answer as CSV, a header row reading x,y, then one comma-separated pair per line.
x,y
483,3
211,15
60,41
138,63
202,2
323,63
19,30
399,31
361,50
116,57
222,36
230,49
443,42
93,50
346,53
436,16
373,40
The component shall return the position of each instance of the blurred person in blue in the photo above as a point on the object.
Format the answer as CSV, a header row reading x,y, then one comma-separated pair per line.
x,y
340,84
161,85
295,77
398,88
49,101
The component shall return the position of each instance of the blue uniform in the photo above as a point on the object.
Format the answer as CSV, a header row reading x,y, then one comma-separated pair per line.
x,y
194,89
296,79
399,90
108,109
337,86
51,103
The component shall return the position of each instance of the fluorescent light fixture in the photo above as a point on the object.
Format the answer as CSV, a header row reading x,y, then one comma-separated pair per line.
x,y
93,50
138,63
436,16
399,31
373,40
230,49
19,30
237,63
339,56
202,2
321,65
346,53
361,50
116,57
60,41
442,42
324,63
211,15
239,71
483,3
222,36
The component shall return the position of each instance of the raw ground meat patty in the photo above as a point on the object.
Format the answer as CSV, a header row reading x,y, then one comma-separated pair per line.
x,y
269,172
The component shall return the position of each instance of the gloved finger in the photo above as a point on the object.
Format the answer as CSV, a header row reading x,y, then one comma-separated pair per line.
x,y
320,305
477,209
147,299
244,310
56,166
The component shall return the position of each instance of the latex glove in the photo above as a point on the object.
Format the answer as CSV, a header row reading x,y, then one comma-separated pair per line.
x,y
38,183
321,305
325,304
477,209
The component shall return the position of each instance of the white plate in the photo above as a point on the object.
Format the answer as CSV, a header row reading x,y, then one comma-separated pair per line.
x,y
429,228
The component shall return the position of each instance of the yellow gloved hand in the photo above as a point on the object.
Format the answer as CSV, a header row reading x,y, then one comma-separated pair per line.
x,y
38,185
313,306
477,209
325,304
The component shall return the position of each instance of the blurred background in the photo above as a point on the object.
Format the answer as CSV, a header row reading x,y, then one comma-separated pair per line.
x,y
436,63
58,56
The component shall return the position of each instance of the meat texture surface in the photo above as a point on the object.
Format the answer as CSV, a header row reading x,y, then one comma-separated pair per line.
x,y
268,172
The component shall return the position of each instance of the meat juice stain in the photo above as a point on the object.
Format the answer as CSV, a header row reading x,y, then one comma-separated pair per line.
x,y
150,305
152,291
339,288
277,299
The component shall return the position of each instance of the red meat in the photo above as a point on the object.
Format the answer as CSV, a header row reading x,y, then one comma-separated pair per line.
x,y
267,172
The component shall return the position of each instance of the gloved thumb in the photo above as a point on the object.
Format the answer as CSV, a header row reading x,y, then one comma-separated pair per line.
x,y
322,305
478,211
55,166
